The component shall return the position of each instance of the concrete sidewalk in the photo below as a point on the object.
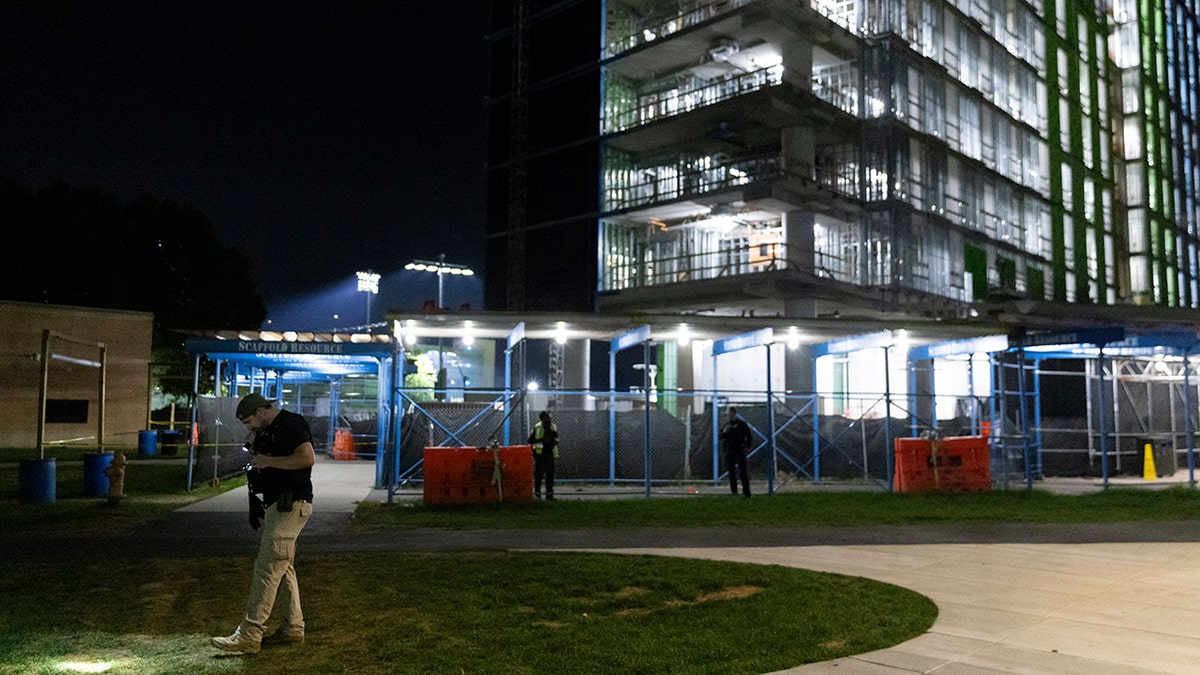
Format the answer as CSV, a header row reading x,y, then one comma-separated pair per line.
x,y
1089,599
1019,608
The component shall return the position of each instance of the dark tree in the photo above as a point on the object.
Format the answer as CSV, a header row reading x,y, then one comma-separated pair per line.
x,y
70,246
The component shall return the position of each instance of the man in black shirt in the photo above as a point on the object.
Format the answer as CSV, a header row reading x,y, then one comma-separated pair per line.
x,y
282,472
736,435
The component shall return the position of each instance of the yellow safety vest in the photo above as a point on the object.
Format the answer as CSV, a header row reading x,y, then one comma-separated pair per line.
x,y
539,432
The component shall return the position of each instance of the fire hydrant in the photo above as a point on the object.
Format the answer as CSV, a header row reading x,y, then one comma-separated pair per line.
x,y
116,477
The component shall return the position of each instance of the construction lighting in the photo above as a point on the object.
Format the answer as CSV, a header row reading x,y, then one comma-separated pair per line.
x,y
532,386
560,333
684,336
441,268
368,282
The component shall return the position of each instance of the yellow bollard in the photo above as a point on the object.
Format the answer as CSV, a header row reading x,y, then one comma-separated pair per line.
x,y
1148,472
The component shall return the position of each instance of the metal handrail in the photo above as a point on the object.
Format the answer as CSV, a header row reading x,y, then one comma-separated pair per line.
x,y
656,105
697,13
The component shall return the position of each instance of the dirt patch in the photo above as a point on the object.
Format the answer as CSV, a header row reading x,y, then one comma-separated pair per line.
x,y
732,593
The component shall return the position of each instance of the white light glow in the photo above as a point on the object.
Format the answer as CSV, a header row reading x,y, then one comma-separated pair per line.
x,y
560,334
468,340
368,281
793,338
410,338
684,336
82,667
439,268
532,386
769,60
722,223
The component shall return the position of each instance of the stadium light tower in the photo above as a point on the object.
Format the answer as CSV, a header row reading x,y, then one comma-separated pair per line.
x,y
368,282
441,267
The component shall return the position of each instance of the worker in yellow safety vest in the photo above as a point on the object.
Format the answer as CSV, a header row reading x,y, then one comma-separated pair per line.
x,y
544,440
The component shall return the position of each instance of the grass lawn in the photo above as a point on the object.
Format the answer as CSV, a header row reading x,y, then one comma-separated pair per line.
x,y
478,612
151,487
420,613
797,508
452,613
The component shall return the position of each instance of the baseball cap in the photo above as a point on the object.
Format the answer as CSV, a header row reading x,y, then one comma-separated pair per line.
x,y
252,402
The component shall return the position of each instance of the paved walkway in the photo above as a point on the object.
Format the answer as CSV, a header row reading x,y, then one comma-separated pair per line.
x,y
1088,599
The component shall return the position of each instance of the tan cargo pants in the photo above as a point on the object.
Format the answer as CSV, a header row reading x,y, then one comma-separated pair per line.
x,y
276,553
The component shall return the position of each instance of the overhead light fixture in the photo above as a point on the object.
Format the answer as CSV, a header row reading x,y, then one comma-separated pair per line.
x,y
684,336
441,267
368,281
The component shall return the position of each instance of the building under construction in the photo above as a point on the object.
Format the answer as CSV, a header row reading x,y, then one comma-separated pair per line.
x,y
799,158
1028,167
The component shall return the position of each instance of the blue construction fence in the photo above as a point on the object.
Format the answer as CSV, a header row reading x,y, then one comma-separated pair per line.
x,y
672,442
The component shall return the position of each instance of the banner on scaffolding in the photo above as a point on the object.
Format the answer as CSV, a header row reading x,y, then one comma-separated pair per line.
x,y
755,338
1086,336
633,337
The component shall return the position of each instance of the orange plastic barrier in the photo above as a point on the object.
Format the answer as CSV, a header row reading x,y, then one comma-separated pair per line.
x,y
343,445
478,475
956,463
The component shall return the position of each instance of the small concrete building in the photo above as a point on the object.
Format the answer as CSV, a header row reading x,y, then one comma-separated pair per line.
x,y
73,378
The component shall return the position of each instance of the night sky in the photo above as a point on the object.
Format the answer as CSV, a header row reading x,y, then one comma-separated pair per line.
x,y
320,137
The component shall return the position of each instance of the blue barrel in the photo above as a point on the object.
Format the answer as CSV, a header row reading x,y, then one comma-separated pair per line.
x,y
95,481
148,443
38,481
169,441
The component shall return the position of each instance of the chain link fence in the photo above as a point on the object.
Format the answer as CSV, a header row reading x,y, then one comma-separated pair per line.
x,y
673,442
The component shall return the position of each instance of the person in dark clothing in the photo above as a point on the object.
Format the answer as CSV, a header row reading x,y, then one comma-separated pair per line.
x,y
282,472
544,440
735,434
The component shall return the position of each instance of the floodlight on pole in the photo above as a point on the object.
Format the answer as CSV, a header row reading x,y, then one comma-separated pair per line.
x,y
441,268
368,282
